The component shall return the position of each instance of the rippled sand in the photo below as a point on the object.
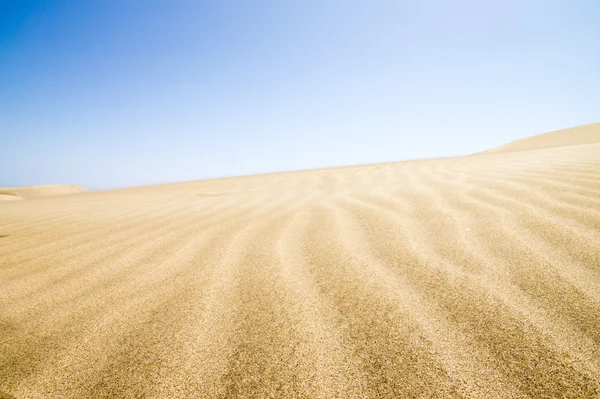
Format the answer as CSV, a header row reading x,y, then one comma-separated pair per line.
x,y
475,277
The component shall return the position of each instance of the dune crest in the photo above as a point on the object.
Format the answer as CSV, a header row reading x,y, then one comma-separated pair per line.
x,y
469,277
586,134
51,190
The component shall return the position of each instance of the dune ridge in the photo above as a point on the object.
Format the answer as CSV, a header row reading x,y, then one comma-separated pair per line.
x,y
468,277
31,192
586,134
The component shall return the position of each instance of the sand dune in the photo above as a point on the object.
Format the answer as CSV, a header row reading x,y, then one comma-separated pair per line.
x,y
587,134
471,277
20,193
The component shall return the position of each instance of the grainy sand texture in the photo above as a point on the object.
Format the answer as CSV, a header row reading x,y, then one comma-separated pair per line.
x,y
468,277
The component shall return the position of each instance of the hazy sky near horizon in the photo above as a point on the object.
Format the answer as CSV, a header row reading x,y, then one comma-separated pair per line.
x,y
113,93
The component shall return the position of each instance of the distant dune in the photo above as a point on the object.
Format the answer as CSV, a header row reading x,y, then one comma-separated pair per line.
x,y
469,277
20,193
587,134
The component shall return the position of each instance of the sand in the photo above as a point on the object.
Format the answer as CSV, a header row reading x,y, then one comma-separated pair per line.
x,y
51,190
469,277
586,134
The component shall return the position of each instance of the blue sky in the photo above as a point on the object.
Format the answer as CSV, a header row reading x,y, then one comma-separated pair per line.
x,y
113,93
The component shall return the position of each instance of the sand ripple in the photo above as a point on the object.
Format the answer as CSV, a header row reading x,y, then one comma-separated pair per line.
x,y
473,277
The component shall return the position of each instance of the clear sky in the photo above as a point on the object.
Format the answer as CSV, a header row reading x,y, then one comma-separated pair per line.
x,y
115,93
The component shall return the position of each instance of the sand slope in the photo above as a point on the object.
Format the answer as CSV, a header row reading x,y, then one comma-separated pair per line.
x,y
473,277
20,193
587,134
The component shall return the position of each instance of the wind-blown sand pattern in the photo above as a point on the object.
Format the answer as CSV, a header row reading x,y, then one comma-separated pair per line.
x,y
469,277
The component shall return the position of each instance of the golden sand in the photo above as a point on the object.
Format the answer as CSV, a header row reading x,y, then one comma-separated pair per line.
x,y
51,190
470,277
